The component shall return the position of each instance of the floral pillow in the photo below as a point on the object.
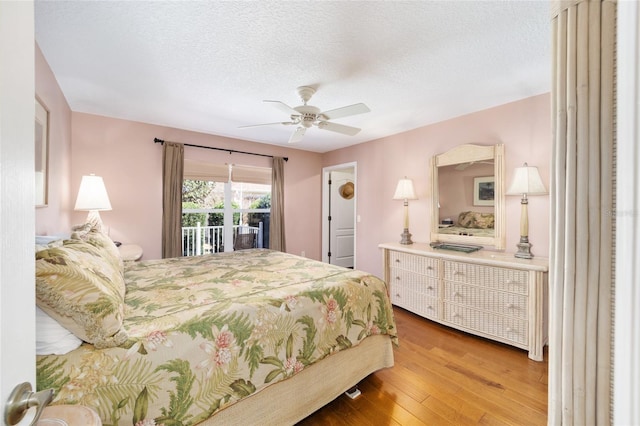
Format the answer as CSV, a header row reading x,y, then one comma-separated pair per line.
x,y
476,220
94,236
81,285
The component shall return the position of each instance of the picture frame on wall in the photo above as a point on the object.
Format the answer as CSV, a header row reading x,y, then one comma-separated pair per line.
x,y
483,191
41,154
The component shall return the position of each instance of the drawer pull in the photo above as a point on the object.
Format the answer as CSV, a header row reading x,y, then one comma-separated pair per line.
x,y
430,307
397,260
458,273
398,295
430,287
510,306
456,294
429,268
398,278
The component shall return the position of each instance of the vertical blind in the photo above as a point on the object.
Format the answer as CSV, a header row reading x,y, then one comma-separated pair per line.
x,y
581,254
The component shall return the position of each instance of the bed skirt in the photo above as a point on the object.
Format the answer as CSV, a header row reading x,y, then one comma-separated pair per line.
x,y
289,401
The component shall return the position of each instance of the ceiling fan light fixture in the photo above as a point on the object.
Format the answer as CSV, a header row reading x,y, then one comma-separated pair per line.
x,y
305,93
306,116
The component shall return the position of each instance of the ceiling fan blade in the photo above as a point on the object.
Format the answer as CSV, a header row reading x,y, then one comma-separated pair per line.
x,y
286,123
283,107
340,128
346,111
297,135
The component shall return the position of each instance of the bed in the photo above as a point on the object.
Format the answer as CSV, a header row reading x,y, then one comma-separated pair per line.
x,y
253,336
461,230
470,223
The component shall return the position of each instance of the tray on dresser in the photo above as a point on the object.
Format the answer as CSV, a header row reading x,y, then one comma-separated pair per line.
x,y
465,248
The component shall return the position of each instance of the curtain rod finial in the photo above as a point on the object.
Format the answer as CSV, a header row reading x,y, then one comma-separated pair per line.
x,y
156,140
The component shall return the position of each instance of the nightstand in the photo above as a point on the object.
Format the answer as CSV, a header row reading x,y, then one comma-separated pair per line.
x,y
130,252
71,415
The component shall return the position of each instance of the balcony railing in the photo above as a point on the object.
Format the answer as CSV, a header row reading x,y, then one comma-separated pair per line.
x,y
198,240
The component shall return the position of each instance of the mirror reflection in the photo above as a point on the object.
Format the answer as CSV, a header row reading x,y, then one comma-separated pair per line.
x,y
467,199
468,196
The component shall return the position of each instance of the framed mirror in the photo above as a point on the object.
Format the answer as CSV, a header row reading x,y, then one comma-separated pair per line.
x,y
468,196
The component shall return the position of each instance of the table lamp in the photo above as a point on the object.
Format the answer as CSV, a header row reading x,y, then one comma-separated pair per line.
x,y
93,197
526,181
405,192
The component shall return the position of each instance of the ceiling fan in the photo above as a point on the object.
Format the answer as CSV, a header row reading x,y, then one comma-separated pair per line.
x,y
305,116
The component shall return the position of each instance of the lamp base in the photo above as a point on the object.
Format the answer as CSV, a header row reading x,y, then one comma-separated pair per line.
x,y
524,249
95,220
406,237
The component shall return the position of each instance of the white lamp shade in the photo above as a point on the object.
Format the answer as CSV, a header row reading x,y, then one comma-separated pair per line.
x,y
92,194
404,190
526,180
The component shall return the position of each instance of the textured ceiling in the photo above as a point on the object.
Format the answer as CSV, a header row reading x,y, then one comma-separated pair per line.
x,y
207,66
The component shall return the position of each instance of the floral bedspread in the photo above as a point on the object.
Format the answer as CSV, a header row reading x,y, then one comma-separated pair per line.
x,y
206,331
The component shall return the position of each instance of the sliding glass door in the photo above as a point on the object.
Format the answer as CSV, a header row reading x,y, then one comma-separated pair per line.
x,y
224,216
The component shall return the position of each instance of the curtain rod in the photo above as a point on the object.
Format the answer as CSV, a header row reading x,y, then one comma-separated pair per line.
x,y
230,151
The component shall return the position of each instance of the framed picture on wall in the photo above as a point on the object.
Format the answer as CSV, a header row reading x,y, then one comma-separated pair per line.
x,y
483,191
42,154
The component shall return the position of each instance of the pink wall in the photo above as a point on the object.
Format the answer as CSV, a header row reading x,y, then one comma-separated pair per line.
x,y
524,127
54,218
124,154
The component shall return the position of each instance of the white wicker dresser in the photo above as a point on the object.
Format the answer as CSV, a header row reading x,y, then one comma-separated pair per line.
x,y
487,293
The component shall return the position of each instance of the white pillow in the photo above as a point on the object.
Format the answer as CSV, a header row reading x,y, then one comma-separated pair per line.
x,y
44,242
51,337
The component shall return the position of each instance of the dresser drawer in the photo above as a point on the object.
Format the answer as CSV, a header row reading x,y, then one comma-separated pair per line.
x,y
419,303
503,327
410,262
485,299
511,280
414,282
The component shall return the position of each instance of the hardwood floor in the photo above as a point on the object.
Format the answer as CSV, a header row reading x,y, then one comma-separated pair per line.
x,y
445,377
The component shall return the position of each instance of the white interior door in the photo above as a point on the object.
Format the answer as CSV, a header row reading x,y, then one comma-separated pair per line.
x,y
341,224
17,199
340,217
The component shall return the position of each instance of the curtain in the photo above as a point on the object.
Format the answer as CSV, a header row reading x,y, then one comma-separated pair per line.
x,y
582,202
172,176
276,230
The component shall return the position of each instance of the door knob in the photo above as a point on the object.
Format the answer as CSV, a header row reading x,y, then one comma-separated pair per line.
x,y
21,399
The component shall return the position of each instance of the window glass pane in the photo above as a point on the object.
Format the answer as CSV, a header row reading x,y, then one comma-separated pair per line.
x,y
202,217
250,196
252,201
203,220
